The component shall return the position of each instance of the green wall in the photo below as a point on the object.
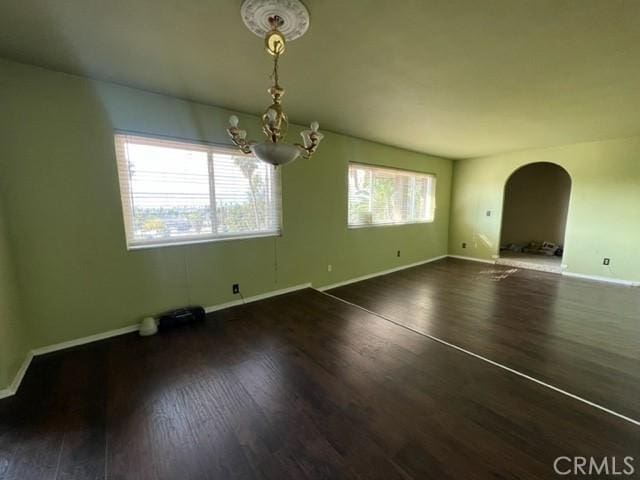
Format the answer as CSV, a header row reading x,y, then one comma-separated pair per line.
x,y
604,207
13,340
65,219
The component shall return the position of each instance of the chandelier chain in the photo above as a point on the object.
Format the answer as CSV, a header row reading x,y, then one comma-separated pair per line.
x,y
274,74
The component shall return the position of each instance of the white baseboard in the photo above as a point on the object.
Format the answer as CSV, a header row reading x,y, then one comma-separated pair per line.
x,y
84,340
134,328
472,259
617,281
255,298
13,388
377,274
17,380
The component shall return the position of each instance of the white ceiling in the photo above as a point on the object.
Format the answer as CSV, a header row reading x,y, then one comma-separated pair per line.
x,y
457,78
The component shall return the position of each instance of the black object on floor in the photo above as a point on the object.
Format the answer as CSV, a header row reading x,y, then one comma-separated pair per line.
x,y
181,316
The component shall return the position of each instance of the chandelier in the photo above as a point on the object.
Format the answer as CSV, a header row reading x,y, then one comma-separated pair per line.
x,y
273,19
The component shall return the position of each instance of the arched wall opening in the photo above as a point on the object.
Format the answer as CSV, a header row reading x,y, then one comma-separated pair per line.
x,y
534,216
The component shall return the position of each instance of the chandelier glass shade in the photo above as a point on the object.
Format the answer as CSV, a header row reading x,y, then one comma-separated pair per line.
x,y
274,120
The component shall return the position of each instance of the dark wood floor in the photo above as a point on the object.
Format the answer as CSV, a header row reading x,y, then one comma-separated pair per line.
x,y
298,386
578,335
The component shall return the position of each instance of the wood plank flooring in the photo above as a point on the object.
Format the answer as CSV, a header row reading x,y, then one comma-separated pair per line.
x,y
578,335
297,386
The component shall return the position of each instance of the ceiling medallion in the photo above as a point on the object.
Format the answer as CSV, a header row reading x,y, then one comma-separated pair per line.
x,y
294,15
278,21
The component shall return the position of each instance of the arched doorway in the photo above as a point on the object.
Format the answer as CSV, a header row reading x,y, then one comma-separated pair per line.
x,y
534,217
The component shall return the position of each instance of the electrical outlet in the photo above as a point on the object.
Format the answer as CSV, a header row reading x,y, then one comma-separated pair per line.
x,y
464,244
488,213
398,252
329,268
606,261
236,288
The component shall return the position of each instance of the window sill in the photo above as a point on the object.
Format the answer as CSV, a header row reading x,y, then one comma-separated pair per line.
x,y
376,225
180,243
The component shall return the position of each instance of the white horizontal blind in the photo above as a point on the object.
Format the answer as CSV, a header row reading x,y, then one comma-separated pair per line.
x,y
386,196
181,192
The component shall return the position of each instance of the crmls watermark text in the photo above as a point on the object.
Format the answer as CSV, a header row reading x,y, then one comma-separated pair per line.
x,y
594,466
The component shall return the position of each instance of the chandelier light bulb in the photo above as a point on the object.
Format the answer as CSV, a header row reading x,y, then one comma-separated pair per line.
x,y
275,43
233,121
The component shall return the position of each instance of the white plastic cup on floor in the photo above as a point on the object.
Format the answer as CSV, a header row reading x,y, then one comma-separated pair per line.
x,y
148,327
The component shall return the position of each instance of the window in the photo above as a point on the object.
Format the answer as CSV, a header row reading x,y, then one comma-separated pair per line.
x,y
386,196
183,192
